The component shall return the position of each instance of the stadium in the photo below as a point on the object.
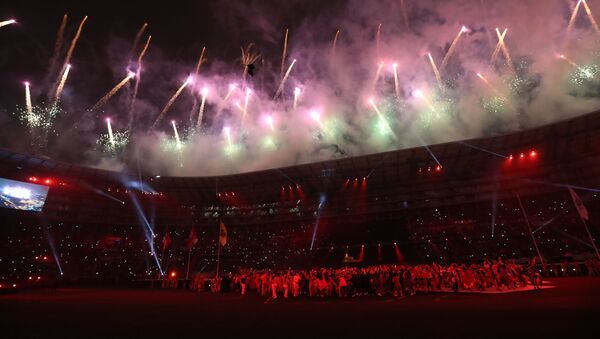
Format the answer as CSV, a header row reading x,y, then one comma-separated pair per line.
x,y
429,222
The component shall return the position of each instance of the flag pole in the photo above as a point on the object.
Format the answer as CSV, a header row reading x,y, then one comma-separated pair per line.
x,y
587,229
219,251
187,272
529,228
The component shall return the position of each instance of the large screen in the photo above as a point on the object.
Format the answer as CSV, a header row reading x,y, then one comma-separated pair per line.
x,y
22,196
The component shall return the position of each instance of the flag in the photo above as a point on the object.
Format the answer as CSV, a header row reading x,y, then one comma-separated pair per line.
x,y
166,242
222,233
192,239
583,212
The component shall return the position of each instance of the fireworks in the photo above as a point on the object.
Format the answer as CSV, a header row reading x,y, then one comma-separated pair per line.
x,y
396,81
137,38
61,84
519,85
487,83
248,59
377,38
40,122
334,45
420,95
384,127
176,134
114,144
588,11
112,92
463,29
138,75
111,137
7,22
201,112
504,49
573,16
498,45
230,148
297,92
285,44
171,101
28,99
71,49
584,74
57,47
590,16
270,122
377,73
331,86
287,74
195,78
495,105
569,61
438,78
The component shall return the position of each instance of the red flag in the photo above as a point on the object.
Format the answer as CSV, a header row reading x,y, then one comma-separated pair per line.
x,y
583,212
166,240
222,233
192,239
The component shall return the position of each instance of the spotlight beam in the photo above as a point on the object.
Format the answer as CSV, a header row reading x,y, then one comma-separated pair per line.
x,y
482,149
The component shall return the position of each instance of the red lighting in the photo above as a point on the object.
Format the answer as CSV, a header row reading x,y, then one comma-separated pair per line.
x,y
38,278
173,274
30,278
533,153
34,179
45,258
522,155
510,157
438,168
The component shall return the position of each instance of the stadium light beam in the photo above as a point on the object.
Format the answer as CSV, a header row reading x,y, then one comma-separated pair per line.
x,y
322,200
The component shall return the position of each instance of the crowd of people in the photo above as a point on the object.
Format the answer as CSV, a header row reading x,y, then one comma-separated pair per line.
x,y
380,280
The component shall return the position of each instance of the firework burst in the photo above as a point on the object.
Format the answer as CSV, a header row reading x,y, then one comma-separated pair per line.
x,y
113,145
584,74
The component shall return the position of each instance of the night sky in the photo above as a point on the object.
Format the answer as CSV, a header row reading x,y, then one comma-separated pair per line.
x,y
527,88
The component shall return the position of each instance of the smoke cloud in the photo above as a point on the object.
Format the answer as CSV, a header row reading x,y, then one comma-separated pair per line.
x,y
334,117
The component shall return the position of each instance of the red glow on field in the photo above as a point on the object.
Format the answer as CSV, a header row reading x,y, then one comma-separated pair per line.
x,y
522,155
173,274
533,153
399,255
